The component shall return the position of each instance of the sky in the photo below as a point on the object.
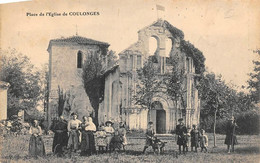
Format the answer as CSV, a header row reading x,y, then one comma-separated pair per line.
x,y
226,31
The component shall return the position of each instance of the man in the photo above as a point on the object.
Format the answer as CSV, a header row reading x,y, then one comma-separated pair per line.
x,y
60,140
74,133
231,138
181,130
150,136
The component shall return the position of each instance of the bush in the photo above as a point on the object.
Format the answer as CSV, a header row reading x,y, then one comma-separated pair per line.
x,y
248,122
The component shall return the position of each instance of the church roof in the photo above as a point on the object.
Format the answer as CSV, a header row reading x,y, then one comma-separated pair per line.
x,y
78,40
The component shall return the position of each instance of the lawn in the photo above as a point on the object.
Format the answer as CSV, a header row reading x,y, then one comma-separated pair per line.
x,y
15,149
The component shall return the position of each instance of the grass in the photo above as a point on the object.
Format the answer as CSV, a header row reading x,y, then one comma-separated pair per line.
x,y
15,149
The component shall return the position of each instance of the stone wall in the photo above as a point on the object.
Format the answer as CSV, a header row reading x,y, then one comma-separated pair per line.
x,y
65,74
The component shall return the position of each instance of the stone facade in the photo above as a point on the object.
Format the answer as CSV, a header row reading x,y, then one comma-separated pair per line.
x,y
3,98
66,58
121,82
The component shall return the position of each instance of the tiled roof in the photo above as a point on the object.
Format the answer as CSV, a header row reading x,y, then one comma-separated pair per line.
x,y
80,40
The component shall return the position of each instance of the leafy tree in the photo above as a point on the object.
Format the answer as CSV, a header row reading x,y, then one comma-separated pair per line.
x,y
217,99
44,85
148,85
94,82
254,81
173,82
24,91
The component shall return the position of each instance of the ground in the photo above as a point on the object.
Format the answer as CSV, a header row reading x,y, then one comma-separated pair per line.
x,y
15,149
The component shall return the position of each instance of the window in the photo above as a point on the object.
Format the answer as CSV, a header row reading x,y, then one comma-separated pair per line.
x,y
79,60
139,62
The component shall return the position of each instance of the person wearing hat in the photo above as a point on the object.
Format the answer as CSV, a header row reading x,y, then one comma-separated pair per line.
x,y
74,133
109,132
181,130
231,139
150,136
60,139
195,136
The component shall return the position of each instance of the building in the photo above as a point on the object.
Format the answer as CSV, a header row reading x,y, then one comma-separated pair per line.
x,y
117,104
3,98
66,58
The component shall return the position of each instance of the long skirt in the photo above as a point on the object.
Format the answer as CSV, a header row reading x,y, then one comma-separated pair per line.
x,y
87,143
181,140
231,139
73,141
36,146
60,140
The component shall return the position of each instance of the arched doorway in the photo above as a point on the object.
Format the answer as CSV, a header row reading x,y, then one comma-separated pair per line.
x,y
159,117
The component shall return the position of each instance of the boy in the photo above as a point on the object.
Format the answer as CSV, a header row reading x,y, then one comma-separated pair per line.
x,y
149,136
195,135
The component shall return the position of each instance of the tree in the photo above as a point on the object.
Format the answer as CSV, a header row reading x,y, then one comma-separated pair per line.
x,y
254,81
217,98
148,85
94,82
20,73
173,82
44,85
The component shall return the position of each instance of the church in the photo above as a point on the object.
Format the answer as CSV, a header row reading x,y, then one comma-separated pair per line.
x,y
66,58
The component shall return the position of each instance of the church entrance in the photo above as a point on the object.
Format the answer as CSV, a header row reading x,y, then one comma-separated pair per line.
x,y
160,121
158,116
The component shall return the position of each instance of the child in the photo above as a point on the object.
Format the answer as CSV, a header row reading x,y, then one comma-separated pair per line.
x,y
122,133
149,136
203,141
195,135
187,139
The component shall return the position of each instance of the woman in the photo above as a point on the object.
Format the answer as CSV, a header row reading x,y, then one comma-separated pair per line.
x,y
36,145
60,140
231,139
87,140
109,131
74,133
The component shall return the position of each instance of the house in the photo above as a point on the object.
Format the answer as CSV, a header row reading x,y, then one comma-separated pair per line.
x,y
3,98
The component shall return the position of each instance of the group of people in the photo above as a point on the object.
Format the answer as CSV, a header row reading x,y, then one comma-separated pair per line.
x,y
76,135
73,135
194,138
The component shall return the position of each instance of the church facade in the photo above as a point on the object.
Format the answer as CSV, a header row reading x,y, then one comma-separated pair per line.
x,y
67,56
121,82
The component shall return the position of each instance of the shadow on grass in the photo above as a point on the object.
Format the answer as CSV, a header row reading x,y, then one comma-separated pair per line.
x,y
248,150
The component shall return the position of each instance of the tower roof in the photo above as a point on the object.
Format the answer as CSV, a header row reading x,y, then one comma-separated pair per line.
x,y
79,40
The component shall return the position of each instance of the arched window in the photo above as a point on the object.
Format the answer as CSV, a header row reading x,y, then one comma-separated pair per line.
x,y
153,45
168,47
79,59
